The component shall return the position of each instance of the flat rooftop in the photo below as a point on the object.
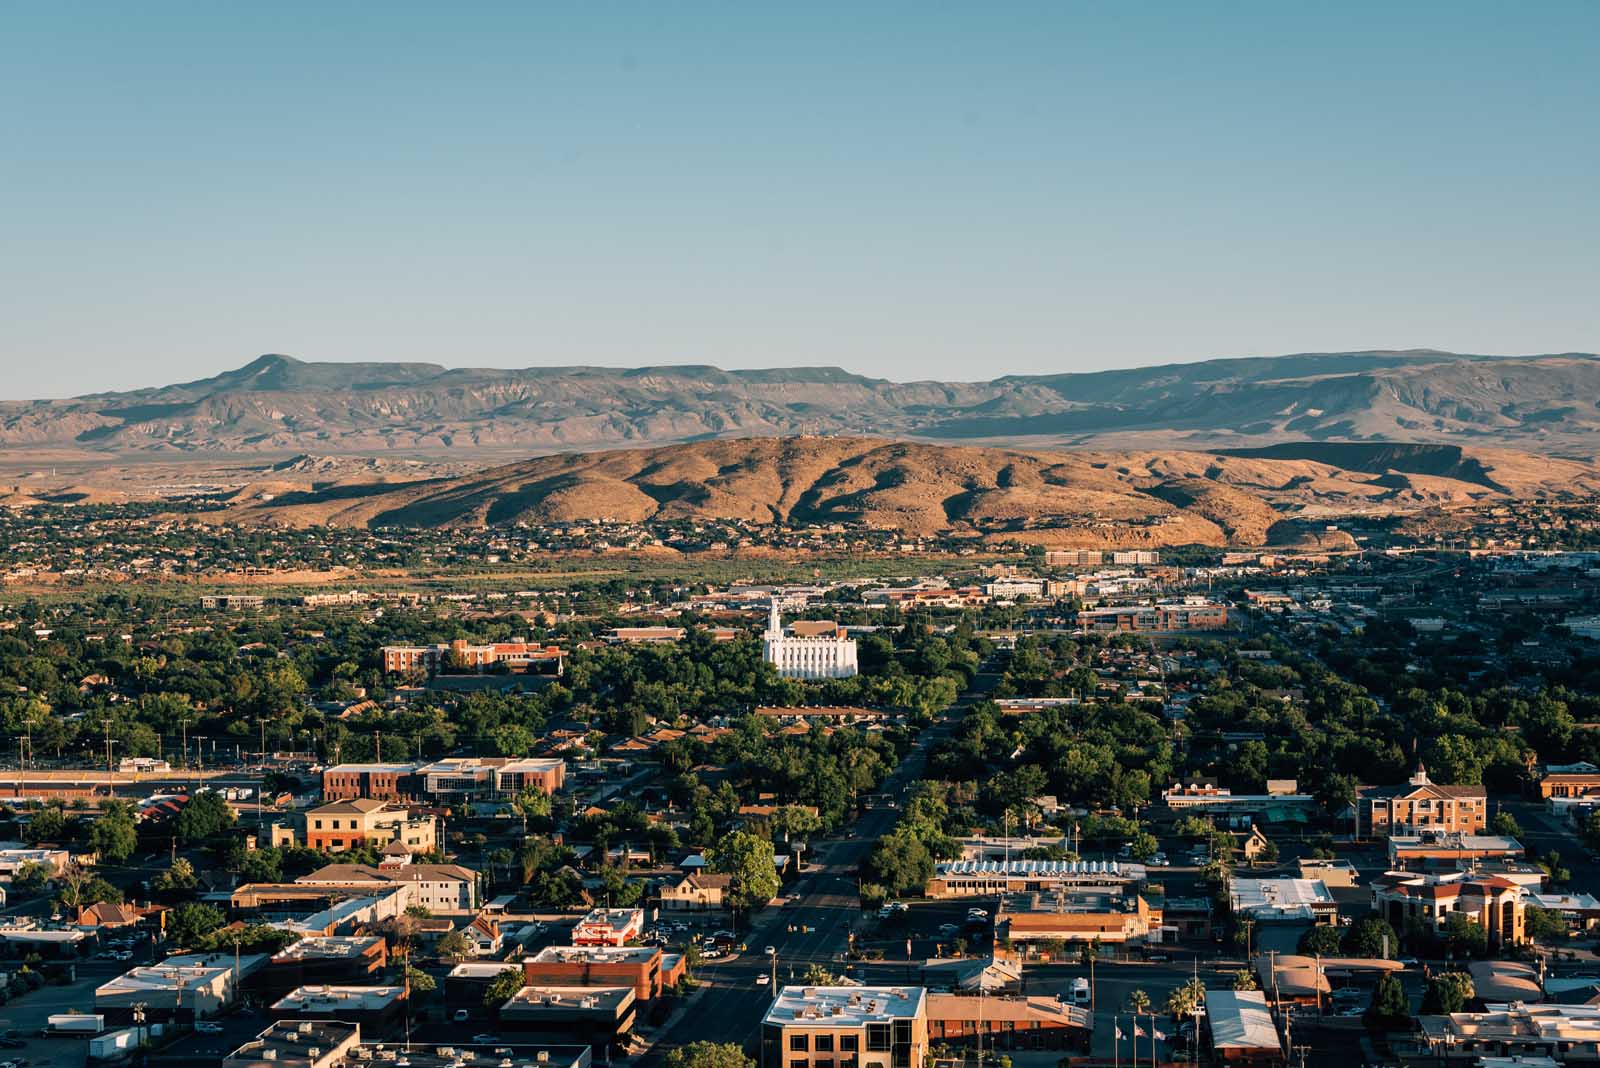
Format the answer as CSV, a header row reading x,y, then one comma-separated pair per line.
x,y
297,1044
327,947
835,1006
329,1000
1279,893
595,954
607,999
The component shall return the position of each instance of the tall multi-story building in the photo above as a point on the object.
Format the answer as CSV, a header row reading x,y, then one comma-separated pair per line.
x,y
1420,804
831,656
846,1027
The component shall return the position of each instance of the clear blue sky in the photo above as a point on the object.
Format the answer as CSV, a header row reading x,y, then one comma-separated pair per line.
x,y
908,190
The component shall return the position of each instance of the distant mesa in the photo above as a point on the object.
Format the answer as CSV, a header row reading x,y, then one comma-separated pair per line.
x,y
277,405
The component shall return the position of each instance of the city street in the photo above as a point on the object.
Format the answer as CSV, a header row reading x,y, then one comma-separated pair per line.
x,y
732,1004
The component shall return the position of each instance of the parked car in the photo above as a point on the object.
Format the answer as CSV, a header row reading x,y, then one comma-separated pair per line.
x,y
206,1027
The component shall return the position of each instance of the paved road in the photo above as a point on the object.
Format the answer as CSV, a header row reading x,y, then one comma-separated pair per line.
x,y
732,1006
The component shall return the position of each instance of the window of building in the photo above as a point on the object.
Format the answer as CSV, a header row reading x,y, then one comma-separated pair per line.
x,y
824,1044
849,1043
877,1038
800,1042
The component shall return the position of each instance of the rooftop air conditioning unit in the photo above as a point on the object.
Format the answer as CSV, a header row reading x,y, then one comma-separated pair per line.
x,y
269,1054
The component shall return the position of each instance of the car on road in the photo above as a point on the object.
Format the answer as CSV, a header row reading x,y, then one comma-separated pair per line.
x,y
763,980
206,1027
948,928
770,951
485,1039
977,914
1159,860
1353,1010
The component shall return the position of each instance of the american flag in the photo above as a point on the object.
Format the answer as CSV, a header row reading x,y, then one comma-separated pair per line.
x,y
1138,1032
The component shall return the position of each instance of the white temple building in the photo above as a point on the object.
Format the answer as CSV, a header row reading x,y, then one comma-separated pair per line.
x,y
829,657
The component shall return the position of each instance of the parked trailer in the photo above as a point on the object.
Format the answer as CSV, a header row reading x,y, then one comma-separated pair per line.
x,y
114,1045
74,1023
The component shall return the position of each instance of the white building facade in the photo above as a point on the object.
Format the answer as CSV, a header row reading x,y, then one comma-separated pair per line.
x,y
831,657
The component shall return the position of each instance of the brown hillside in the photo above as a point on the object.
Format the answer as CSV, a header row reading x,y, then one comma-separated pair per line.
x,y
1054,497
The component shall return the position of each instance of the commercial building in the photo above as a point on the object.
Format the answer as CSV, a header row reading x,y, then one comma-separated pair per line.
x,y
1570,781
341,825
1010,1023
435,887
1497,905
1419,805
638,967
1242,1029
864,1026
476,778
1282,900
379,782
1569,1034
327,960
376,1008
192,986
830,656
1080,916
608,927
1442,850
987,878
461,656
599,1016
298,1044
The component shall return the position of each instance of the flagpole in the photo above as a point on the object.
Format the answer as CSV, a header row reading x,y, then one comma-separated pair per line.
x,y
1116,1043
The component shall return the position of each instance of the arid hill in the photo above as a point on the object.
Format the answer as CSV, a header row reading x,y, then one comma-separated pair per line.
x,y
276,405
1067,498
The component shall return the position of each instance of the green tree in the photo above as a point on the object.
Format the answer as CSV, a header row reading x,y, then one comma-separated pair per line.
x,y
1186,999
1504,823
1244,979
1545,925
176,880
422,984
503,988
48,824
188,924
1368,937
747,858
901,862
114,836
205,815
1321,940
703,1054
31,878
1465,937
1389,1006
1446,993
454,947
1138,1001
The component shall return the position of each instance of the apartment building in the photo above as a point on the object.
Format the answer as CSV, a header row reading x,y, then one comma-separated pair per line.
x,y
846,1027
1420,804
638,967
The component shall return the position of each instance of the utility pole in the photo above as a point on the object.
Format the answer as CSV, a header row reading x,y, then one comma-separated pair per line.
x,y
107,722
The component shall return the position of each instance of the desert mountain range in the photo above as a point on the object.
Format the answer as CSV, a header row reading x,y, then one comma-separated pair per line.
x,y
277,405
1276,495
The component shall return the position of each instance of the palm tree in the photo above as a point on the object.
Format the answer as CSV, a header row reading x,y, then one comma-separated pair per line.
x,y
1138,1002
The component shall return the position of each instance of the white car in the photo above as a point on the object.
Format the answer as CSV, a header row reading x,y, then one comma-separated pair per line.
x,y
763,980
206,1027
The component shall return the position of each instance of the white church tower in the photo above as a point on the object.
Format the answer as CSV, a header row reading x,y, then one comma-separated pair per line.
x,y
823,657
